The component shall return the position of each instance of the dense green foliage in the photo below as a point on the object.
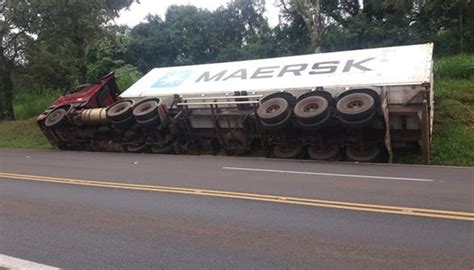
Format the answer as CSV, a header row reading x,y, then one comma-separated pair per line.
x,y
32,103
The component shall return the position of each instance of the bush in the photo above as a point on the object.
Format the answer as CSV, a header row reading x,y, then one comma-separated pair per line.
x,y
126,76
455,67
29,104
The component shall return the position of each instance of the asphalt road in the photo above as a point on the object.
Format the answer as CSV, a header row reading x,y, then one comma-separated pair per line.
x,y
79,210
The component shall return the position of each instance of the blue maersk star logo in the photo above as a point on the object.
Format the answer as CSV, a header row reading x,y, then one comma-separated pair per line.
x,y
172,79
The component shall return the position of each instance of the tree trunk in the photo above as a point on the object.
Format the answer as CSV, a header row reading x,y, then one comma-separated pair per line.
x,y
461,30
312,16
1,103
82,61
7,98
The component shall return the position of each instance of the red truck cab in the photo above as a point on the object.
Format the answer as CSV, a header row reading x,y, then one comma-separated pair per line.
x,y
95,95
99,94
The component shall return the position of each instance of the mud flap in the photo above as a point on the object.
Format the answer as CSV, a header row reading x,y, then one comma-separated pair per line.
x,y
386,117
425,132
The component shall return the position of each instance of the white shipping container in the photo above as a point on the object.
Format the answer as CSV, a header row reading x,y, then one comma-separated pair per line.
x,y
391,66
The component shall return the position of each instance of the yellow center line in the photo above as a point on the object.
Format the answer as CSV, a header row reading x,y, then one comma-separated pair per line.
x,y
386,209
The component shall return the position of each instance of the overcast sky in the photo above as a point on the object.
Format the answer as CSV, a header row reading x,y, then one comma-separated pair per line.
x,y
137,12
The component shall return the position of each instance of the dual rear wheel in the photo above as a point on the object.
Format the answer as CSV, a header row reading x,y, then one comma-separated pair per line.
x,y
357,108
368,153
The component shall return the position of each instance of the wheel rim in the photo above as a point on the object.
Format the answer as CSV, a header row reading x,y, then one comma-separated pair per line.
x,y
55,117
311,107
159,149
135,147
273,108
328,152
355,103
363,154
291,150
120,110
146,109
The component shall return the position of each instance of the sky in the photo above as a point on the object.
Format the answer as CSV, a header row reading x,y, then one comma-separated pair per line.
x,y
137,12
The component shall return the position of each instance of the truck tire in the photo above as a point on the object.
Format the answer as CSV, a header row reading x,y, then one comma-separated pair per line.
x,y
356,106
273,110
120,111
288,151
123,124
311,109
149,123
56,118
327,152
236,143
135,148
146,110
369,153
158,149
359,123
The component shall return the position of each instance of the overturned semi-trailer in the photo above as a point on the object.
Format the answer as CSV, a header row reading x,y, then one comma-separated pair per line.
x,y
356,105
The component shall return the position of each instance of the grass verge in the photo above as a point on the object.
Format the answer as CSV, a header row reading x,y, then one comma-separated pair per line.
x,y
22,134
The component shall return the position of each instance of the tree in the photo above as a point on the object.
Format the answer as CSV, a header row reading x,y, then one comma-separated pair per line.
x,y
66,30
449,23
292,35
49,35
189,35
109,52
311,12
242,32
16,26
150,45
400,22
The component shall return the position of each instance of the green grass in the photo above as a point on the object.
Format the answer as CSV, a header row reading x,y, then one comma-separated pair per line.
x,y
30,104
22,134
453,134
455,67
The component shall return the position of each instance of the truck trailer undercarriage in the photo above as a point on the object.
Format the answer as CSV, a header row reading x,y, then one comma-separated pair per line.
x,y
314,106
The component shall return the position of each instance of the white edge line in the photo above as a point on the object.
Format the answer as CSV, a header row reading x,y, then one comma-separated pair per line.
x,y
329,174
16,263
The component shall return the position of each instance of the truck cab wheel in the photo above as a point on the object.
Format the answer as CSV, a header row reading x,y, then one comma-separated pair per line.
x,y
273,110
120,111
326,152
356,106
56,117
290,150
369,153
